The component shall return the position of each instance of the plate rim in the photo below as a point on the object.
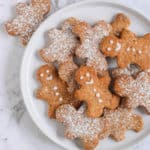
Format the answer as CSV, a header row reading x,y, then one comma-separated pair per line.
x,y
23,66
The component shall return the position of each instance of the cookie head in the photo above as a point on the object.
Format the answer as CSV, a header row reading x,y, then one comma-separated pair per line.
x,y
46,74
111,46
86,76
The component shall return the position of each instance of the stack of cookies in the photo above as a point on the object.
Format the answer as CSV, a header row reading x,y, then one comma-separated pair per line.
x,y
90,98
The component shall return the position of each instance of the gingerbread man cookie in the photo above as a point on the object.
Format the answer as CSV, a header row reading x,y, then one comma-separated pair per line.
x,y
120,22
89,48
94,91
53,89
120,120
62,43
77,125
135,90
128,49
28,19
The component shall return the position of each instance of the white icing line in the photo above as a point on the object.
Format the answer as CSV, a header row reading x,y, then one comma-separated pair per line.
x,y
90,82
97,95
118,47
49,78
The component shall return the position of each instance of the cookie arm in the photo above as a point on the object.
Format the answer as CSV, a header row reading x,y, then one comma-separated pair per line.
x,y
20,8
137,123
119,134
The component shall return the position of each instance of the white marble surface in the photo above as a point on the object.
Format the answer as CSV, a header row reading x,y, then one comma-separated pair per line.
x,y
17,131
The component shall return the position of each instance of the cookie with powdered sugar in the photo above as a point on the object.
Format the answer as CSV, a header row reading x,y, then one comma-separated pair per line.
x,y
136,91
60,49
94,91
78,125
90,38
29,16
114,123
119,121
53,89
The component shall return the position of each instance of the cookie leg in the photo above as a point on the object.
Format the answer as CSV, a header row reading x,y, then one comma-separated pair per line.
x,y
123,62
51,111
94,111
137,123
114,102
119,134
90,145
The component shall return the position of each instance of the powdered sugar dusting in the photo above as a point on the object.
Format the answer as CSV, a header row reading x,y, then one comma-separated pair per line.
x,y
137,90
119,121
28,19
89,47
77,124
61,45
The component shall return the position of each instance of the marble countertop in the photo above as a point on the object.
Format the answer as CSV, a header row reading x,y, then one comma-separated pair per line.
x,y
17,131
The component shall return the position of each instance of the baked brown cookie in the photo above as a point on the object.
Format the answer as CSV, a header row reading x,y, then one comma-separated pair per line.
x,y
120,22
62,43
119,121
94,91
128,49
77,125
53,89
29,16
135,90
90,38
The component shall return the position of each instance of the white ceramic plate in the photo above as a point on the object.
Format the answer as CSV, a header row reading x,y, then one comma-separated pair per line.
x,y
90,11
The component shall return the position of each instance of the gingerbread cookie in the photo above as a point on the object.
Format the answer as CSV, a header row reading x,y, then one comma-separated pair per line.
x,y
53,89
62,43
94,91
120,22
29,16
135,90
128,49
77,125
120,120
89,48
